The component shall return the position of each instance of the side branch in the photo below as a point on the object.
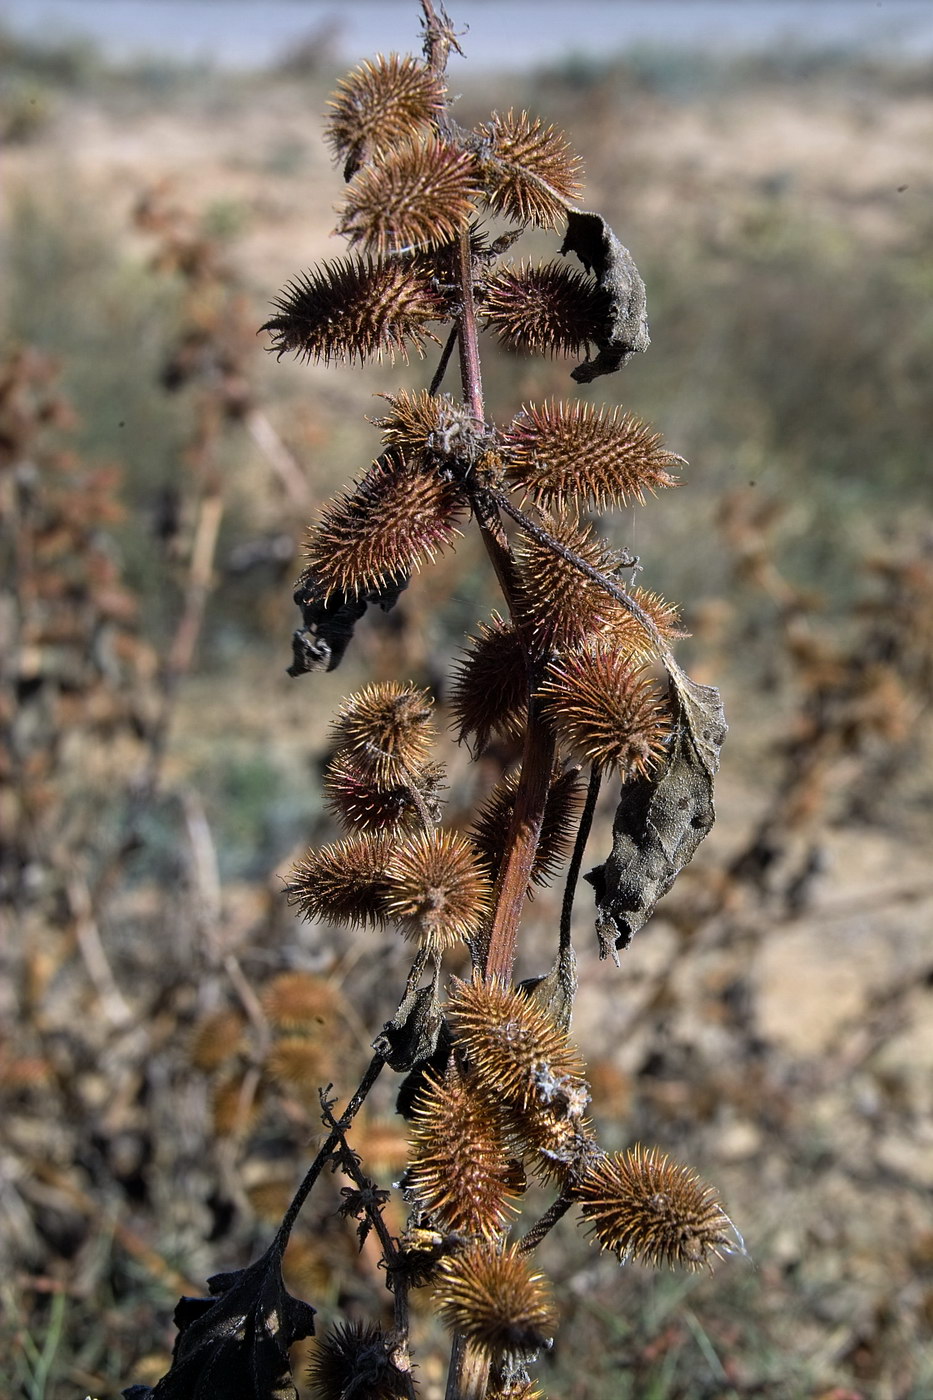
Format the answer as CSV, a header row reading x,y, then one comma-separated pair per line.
x,y
373,1071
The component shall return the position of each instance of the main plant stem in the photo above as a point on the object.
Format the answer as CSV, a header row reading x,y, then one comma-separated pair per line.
x,y
538,756
468,1377
468,1374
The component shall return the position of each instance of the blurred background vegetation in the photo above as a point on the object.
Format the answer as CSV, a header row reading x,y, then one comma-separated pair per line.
x,y
161,771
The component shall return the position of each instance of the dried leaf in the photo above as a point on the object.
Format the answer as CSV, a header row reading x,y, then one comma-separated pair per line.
x,y
234,1344
701,706
556,990
662,817
411,1037
329,620
622,327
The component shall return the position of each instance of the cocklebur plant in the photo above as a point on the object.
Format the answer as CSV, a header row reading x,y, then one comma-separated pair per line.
x,y
577,668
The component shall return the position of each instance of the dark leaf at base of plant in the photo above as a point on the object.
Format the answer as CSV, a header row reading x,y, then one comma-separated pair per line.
x,y
234,1344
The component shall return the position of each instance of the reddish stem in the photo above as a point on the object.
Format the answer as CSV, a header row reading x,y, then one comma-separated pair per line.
x,y
521,848
538,757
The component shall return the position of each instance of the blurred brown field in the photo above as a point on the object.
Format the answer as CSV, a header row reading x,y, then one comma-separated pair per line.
x,y
166,1018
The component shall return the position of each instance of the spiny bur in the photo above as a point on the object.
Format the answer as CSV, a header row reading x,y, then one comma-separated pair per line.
x,y
356,308
399,518
416,196
531,171
493,1298
561,452
490,687
543,310
562,606
386,729
363,800
513,1046
381,105
607,711
439,892
460,1171
355,1359
643,1206
344,882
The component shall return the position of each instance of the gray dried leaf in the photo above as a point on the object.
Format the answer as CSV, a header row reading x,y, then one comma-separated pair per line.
x,y
661,818
556,990
622,330
411,1036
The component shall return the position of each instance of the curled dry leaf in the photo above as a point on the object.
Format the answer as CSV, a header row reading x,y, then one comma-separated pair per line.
x,y
662,817
622,325
330,618
411,1037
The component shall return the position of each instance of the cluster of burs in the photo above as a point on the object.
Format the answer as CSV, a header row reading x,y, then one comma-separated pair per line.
x,y
575,674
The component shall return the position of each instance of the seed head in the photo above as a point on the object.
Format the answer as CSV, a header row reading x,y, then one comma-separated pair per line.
x,y
563,605
495,1300
386,730
605,709
439,891
380,105
530,170
513,1046
298,1001
546,310
629,635
561,452
362,802
355,308
417,196
490,688
233,1108
424,424
302,1062
643,1206
459,1170
218,1037
399,517
355,1359
515,1390
555,1138
345,883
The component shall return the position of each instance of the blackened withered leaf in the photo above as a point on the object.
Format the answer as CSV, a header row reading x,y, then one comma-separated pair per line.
x,y
329,621
234,1344
661,818
434,1067
411,1036
622,328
